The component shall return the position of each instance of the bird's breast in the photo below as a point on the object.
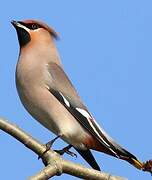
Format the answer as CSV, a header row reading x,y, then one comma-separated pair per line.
x,y
31,83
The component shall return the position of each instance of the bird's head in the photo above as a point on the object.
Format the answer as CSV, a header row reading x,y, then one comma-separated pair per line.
x,y
33,30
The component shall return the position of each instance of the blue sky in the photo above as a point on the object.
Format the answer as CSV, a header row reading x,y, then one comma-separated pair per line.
x,y
106,49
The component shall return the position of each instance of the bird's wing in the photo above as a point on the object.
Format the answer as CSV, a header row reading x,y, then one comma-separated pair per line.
x,y
62,88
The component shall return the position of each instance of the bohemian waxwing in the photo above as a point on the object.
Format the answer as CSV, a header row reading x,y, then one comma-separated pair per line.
x,y
49,96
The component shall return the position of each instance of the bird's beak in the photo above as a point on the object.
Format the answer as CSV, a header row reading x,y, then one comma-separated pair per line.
x,y
14,23
19,25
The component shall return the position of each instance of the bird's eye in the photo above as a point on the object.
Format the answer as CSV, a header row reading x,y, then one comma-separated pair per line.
x,y
34,26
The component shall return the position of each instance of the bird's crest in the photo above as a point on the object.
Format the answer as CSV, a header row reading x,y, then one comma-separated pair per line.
x,y
45,26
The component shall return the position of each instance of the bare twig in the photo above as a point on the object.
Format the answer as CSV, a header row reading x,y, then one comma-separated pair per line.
x,y
55,164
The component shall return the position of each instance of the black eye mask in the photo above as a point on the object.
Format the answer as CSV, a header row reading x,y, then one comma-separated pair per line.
x,y
31,26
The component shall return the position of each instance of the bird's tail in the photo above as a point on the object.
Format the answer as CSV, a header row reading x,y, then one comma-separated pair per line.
x,y
145,166
125,155
138,164
117,151
114,149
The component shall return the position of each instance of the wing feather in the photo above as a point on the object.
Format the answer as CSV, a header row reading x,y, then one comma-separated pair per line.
x,y
62,88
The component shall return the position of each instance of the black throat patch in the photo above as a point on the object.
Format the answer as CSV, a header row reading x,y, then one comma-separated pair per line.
x,y
23,36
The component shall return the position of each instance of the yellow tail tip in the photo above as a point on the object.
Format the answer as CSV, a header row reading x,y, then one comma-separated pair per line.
x,y
137,164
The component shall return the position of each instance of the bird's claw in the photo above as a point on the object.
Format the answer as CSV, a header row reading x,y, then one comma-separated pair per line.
x,y
71,153
67,151
48,146
62,151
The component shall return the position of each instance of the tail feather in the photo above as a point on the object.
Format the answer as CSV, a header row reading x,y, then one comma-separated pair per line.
x,y
87,155
136,163
131,159
120,152
126,155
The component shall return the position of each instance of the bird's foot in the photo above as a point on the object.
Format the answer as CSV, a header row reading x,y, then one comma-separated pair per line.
x,y
67,151
147,166
48,146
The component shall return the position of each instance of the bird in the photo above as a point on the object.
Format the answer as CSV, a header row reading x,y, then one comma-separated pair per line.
x,y
49,96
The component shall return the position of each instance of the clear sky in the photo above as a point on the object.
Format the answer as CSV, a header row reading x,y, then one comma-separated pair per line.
x,y
106,49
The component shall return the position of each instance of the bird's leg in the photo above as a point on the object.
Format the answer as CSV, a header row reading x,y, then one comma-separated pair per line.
x,y
48,146
66,150
50,143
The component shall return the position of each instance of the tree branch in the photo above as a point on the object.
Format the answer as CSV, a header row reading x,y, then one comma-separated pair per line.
x,y
55,164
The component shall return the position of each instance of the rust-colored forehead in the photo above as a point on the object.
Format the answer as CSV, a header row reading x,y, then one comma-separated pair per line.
x,y
43,25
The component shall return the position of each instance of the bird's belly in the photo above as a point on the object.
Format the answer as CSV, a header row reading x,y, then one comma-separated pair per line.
x,y
46,109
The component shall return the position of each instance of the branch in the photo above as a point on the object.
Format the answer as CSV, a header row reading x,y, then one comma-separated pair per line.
x,y
55,164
